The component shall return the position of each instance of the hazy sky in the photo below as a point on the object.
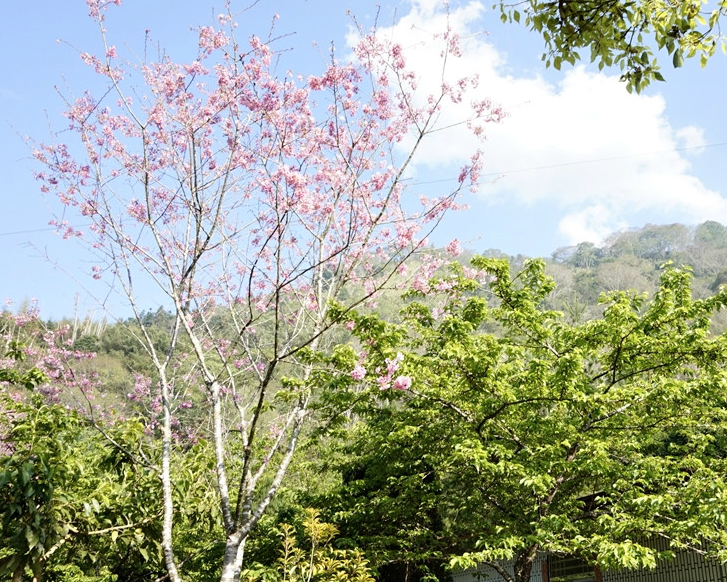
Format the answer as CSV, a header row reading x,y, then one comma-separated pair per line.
x,y
576,158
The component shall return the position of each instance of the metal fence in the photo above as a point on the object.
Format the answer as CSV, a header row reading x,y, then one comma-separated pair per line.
x,y
685,567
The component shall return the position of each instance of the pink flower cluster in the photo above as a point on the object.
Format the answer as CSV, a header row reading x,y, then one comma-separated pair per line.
x,y
358,372
388,380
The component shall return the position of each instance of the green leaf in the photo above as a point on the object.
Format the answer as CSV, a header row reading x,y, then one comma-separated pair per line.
x,y
678,59
25,473
31,537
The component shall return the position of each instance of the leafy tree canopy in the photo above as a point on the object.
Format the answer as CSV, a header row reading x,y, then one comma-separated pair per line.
x,y
69,498
623,32
532,433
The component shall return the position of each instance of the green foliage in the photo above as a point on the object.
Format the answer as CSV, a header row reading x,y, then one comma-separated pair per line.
x,y
622,33
314,561
121,340
631,260
72,573
523,432
511,374
30,377
711,233
87,343
64,492
199,534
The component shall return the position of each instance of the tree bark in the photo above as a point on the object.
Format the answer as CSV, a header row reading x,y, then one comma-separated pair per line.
x,y
524,564
166,477
497,567
232,560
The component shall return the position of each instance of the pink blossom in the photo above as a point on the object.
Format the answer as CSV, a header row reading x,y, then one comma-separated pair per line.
x,y
359,372
137,210
392,365
402,383
454,248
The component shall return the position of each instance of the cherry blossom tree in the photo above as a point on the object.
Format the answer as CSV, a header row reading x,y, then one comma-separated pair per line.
x,y
254,200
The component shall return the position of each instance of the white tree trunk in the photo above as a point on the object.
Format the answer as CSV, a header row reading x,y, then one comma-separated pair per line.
x,y
232,561
166,477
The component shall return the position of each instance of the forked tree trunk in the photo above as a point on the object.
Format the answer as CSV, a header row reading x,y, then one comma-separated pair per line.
x,y
524,564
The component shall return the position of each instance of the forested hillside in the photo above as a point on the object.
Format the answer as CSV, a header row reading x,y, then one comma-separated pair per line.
x,y
633,260
630,260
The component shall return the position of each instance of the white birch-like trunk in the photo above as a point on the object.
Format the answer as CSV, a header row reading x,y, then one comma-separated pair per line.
x,y
232,560
168,502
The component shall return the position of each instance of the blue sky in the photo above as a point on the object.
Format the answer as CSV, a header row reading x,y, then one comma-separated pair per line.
x,y
576,158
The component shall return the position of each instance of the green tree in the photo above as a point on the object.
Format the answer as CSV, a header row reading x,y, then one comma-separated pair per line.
x,y
707,252
585,438
667,242
80,504
711,233
79,482
68,498
622,32
586,256
393,500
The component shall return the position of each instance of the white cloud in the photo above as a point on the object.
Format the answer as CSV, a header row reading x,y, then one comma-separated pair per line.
x,y
584,145
692,137
592,224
